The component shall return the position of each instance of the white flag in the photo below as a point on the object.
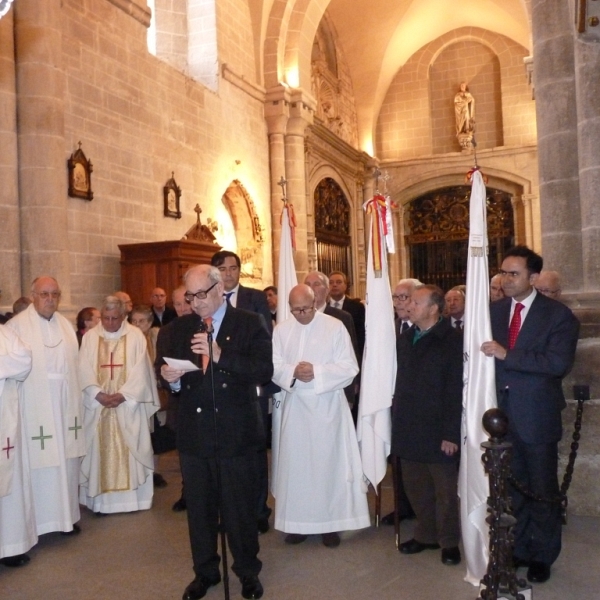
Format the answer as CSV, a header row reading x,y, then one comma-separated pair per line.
x,y
286,277
378,374
479,392
286,280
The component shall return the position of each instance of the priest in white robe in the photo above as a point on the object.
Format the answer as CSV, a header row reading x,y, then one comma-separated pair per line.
x,y
317,480
120,396
52,409
17,519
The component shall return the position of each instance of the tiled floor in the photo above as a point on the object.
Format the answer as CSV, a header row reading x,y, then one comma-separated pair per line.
x,y
145,556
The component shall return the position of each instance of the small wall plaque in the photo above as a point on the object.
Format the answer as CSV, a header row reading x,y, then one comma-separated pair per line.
x,y
80,175
172,195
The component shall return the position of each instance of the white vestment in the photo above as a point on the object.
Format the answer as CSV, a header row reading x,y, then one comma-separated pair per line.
x,y
317,478
52,418
138,386
17,517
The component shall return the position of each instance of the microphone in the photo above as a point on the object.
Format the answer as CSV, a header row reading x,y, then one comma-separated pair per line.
x,y
201,328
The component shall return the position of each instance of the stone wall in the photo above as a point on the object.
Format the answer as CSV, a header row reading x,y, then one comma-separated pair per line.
x,y
411,122
139,120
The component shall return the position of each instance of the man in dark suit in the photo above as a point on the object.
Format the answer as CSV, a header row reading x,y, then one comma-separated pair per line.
x,y
271,295
426,419
338,285
455,307
241,358
534,345
237,295
163,314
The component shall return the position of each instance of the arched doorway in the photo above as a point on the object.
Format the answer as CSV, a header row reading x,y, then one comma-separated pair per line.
x,y
438,233
332,228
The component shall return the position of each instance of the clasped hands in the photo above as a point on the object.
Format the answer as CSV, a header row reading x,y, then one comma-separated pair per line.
x,y
304,372
110,400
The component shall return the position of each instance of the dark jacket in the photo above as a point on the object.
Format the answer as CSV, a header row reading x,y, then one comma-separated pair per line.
x,y
168,315
529,379
427,404
246,360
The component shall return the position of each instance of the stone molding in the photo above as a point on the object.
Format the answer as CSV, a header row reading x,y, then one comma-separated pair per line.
x,y
252,89
140,14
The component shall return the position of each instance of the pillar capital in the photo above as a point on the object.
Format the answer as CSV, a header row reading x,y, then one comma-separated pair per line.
x,y
277,109
302,112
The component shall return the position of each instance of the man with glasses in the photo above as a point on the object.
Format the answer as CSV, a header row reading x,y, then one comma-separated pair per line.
x,y
548,283
120,396
401,299
317,473
241,358
53,409
240,296
534,343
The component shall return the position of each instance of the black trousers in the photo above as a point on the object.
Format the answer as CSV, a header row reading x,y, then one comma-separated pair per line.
x,y
262,464
539,524
238,509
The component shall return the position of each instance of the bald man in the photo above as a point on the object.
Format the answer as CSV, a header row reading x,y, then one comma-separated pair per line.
x,y
548,283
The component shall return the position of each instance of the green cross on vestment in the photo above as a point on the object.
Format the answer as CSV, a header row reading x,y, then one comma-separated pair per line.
x,y
42,437
75,428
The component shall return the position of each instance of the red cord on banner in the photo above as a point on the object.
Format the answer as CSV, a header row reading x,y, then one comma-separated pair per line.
x,y
469,175
377,207
291,221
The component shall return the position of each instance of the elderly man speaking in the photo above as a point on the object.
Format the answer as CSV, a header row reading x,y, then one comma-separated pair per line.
x,y
318,482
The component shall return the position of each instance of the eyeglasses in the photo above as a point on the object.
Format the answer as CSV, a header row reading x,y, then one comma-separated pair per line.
x,y
547,291
200,295
401,297
46,295
301,311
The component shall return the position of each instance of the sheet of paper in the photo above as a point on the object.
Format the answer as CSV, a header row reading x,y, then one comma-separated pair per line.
x,y
182,365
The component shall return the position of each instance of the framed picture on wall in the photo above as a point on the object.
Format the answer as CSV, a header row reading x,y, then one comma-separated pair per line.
x,y
172,196
80,175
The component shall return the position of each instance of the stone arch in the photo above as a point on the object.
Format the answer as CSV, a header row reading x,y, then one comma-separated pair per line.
x,y
288,43
248,230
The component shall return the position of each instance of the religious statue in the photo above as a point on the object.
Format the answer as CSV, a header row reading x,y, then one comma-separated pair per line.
x,y
464,112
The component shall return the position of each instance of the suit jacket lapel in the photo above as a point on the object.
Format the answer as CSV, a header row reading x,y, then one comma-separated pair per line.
x,y
529,326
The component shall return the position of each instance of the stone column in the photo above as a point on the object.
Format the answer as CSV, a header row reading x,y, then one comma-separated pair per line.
x,y
277,112
587,80
528,218
554,78
10,240
41,143
301,115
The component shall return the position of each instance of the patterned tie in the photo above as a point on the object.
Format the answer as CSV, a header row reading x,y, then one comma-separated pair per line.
x,y
515,325
228,296
458,324
205,357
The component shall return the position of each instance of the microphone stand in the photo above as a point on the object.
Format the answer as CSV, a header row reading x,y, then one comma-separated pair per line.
x,y
222,533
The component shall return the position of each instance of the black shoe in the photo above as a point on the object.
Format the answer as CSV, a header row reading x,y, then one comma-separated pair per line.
x,y
18,560
180,505
538,572
263,525
198,588
159,481
331,540
451,556
252,588
389,519
414,547
75,531
295,538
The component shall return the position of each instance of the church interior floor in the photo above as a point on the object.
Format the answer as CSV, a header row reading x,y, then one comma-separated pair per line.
x,y
146,556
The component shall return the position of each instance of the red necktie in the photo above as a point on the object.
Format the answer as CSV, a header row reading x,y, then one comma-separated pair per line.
x,y
515,325
205,357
